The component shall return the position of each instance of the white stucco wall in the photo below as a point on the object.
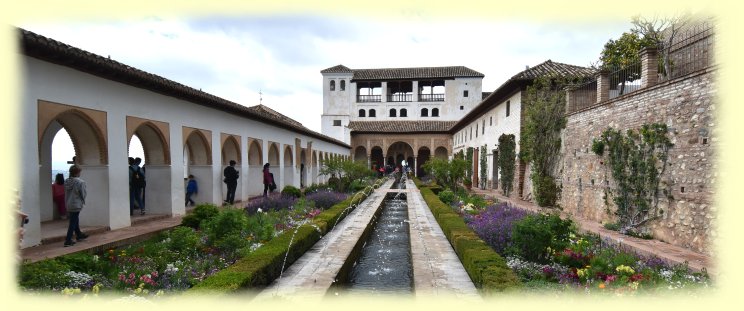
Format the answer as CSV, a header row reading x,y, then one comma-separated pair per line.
x,y
108,202
493,130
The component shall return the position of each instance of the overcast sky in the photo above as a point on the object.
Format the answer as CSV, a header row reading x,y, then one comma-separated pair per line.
x,y
282,56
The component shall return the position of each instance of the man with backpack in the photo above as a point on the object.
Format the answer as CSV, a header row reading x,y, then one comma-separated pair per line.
x,y
137,185
231,179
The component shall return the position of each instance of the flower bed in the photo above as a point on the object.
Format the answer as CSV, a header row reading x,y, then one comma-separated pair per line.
x,y
562,260
210,240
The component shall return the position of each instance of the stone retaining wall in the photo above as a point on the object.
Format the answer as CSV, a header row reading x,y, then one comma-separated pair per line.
x,y
687,106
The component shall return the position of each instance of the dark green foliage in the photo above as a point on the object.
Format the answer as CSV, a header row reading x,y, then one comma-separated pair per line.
x,y
200,212
534,234
357,185
261,267
598,147
612,226
183,239
545,190
291,191
544,118
227,230
261,226
637,161
446,196
469,160
44,274
507,155
483,166
447,173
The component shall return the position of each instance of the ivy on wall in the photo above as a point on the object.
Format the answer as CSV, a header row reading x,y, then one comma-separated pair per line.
x,y
544,118
637,160
483,167
507,156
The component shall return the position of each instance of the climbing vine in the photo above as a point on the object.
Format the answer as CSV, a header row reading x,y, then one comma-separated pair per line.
x,y
469,159
637,160
507,155
544,118
483,167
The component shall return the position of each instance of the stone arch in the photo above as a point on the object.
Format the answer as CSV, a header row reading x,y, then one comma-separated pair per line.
x,y
376,157
273,154
154,143
87,131
255,167
88,140
315,167
303,167
399,151
360,154
199,149
231,150
423,155
289,171
441,153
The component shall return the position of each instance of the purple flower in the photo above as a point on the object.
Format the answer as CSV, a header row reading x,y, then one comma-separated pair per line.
x,y
494,225
325,199
270,203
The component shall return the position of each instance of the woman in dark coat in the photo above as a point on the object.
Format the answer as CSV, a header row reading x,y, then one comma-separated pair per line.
x,y
268,179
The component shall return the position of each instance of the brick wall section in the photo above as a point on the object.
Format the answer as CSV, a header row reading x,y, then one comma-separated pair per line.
x,y
687,105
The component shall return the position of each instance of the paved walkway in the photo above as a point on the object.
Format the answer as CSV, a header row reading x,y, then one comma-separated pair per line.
x,y
670,253
436,269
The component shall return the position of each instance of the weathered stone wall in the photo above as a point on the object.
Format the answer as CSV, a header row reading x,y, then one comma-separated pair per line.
x,y
687,106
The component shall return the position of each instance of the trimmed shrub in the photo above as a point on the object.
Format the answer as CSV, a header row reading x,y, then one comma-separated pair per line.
x,y
183,239
201,212
446,196
226,230
291,191
532,235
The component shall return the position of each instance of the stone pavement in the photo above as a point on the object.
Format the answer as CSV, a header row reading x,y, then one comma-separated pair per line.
x,y
668,252
436,268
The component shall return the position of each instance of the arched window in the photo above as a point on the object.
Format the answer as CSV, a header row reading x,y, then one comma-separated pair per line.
x,y
333,85
343,85
392,113
424,112
372,113
435,112
361,113
403,112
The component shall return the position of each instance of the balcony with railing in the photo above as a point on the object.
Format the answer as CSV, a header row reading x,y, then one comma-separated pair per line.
x,y
400,97
431,97
369,98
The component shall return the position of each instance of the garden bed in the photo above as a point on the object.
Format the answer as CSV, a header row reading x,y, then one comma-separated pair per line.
x,y
233,249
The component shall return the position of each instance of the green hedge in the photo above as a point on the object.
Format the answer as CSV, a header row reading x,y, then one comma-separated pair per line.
x,y
262,266
486,268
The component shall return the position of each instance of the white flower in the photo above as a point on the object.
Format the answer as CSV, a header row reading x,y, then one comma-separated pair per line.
x,y
260,210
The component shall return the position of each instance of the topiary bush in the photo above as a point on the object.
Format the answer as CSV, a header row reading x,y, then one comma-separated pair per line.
x,y
201,212
534,234
291,191
446,196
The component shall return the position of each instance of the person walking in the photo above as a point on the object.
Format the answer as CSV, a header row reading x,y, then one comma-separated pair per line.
x,y
191,189
231,179
75,193
268,179
58,195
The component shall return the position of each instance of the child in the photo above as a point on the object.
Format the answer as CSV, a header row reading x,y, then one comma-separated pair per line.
x,y
191,189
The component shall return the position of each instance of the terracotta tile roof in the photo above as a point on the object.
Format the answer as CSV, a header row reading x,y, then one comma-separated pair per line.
x,y
520,81
337,69
49,50
415,73
448,72
273,114
551,68
400,126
